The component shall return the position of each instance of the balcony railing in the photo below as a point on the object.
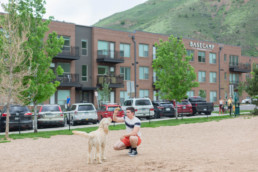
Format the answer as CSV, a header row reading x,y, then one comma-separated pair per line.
x,y
113,81
69,80
240,67
110,56
70,53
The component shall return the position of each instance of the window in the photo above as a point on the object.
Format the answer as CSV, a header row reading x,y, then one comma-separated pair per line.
x,y
84,73
144,93
225,57
143,50
201,56
190,53
190,93
126,71
125,50
62,96
225,75
144,73
201,76
84,48
233,60
66,67
123,96
106,49
102,70
154,52
66,46
212,58
213,96
234,78
213,77
128,102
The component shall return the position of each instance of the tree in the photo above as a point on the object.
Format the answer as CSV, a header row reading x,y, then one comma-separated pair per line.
x,y
15,58
175,76
104,93
202,94
252,87
42,83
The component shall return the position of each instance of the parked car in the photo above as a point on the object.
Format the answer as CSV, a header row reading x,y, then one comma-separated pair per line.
x,y
107,110
82,113
162,108
199,105
247,100
19,115
184,108
51,115
143,107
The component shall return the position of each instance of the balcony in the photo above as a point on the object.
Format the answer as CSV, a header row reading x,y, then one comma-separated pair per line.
x,y
69,53
69,80
107,56
235,83
114,81
240,67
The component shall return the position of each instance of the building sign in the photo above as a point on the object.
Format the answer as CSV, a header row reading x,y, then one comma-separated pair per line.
x,y
201,45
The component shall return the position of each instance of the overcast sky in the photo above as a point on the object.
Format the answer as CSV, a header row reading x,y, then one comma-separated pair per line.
x,y
85,12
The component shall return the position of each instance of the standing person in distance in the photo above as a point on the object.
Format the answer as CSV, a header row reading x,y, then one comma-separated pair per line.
x,y
221,104
132,138
230,105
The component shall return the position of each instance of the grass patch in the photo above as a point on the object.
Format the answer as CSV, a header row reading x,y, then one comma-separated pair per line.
x,y
152,124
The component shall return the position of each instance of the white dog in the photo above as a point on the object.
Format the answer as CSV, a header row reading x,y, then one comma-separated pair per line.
x,y
97,139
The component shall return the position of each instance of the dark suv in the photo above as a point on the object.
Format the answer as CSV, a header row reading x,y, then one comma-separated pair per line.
x,y
162,108
51,115
19,115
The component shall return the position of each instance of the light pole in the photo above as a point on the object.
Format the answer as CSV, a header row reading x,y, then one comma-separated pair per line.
x,y
133,38
220,48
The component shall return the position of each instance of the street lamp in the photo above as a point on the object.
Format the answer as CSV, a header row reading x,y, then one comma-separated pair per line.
x,y
220,48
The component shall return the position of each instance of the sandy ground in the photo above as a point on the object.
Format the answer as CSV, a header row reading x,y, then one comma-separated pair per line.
x,y
228,145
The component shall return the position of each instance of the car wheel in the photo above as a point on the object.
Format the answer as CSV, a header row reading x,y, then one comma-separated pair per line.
x,y
207,113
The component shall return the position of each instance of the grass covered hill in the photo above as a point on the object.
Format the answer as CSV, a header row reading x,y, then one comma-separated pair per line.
x,y
233,22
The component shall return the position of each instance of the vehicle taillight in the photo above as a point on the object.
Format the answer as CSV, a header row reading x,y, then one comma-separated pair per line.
x,y
151,109
40,109
4,115
29,113
61,114
160,107
75,112
135,110
195,105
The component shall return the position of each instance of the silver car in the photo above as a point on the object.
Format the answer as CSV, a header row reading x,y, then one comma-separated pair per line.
x,y
51,115
82,113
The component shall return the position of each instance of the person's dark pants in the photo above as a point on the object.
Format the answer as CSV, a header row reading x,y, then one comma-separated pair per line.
x,y
230,108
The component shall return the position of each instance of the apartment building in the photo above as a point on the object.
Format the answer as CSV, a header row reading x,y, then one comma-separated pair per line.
x,y
93,56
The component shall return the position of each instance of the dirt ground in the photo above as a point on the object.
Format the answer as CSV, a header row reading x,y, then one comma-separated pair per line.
x,y
227,145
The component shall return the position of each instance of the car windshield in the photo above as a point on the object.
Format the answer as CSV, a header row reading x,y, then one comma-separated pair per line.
x,y
85,107
15,109
112,108
183,103
50,109
142,102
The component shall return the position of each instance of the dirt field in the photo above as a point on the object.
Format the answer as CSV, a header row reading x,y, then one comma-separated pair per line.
x,y
228,145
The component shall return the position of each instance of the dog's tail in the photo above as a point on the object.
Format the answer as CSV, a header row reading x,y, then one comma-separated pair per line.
x,y
81,133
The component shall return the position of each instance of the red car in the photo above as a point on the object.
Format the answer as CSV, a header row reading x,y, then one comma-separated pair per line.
x,y
107,110
184,108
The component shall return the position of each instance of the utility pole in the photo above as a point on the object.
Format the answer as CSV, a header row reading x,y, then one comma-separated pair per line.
x,y
135,85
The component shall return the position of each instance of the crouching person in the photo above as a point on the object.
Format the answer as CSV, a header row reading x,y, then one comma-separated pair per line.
x,y
133,137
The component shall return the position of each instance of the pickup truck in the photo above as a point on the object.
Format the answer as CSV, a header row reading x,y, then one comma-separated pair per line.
x,y
199,105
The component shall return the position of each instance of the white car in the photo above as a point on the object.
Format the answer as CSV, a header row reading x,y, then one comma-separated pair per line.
x,y
82,113
143,107
247,100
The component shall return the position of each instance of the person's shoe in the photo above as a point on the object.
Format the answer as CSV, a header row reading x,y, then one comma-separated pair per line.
x,y
134,153
130,151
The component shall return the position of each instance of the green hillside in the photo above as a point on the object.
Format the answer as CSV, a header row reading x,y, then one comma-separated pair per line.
x,y
233,22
